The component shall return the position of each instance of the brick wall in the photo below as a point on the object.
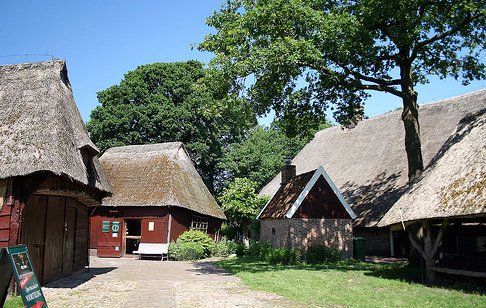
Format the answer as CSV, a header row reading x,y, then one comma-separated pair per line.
x,y
301,233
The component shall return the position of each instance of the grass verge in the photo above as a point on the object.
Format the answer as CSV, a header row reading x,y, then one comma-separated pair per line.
x,y
355,284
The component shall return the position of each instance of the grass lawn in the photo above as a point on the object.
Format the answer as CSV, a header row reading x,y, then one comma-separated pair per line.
x,y
13,302
355,284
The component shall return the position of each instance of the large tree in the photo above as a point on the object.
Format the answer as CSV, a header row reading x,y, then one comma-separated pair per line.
x,y
164,102
335,52
261,154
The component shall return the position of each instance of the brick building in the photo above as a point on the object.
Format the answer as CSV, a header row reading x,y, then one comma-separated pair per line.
x,y
307,210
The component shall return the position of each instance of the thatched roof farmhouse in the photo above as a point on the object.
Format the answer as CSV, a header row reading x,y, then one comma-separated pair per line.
x,y
454,184
368,163
49,169
155,183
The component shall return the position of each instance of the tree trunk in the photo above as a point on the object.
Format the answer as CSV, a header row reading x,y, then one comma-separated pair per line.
x,y
413,145
430,275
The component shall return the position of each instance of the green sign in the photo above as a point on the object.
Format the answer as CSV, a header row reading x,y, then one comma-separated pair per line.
x,y
105,226
24,275
115,227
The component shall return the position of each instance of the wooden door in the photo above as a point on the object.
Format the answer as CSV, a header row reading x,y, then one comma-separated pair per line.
x,y
33,231
110,239
69,240
154,230
54,239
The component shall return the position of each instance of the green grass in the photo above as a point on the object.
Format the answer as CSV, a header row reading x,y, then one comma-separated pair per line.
x,y
355,284
13,302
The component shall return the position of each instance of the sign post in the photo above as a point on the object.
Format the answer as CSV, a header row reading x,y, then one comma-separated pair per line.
x,y
24,274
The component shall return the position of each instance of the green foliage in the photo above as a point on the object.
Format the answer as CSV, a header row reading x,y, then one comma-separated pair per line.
x,y
261,155
188,251
240,201
229,231
14,301
284,256
191,245
224,247
259,249
306,55
316,254
178,101
322,254
241,249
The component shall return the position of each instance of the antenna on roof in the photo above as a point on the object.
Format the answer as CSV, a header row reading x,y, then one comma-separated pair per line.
x,y
27,55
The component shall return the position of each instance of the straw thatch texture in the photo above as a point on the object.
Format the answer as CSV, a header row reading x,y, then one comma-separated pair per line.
x,y
454,184
285,197
156,175
41,128
368,164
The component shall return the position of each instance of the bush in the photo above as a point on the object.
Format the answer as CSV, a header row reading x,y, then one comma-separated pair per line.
x,y
241,250
198,237
320,254
191,245
224,247
259,249
284,256
186,251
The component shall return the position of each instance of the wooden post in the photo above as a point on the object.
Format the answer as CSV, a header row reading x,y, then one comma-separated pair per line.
x,y
429,255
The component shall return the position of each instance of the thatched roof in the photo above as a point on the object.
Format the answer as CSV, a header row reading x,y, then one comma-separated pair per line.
x,y
455,182
291,194
368,163
41,128
156,175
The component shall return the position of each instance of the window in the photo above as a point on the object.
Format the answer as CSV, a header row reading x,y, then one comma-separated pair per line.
x,y
273,231
199,223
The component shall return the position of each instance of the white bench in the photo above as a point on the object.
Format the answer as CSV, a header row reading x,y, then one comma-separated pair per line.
x,y
152,249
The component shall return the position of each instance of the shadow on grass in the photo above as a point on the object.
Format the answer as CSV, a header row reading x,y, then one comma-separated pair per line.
x,y
395,271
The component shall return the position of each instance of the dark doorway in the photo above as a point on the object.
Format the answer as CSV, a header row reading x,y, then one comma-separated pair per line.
x,y
133,234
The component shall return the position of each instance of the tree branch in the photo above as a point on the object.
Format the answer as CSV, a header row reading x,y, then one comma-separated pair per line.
x,y
442,35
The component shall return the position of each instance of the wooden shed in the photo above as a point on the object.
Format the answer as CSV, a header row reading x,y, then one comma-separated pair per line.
x,y
446,208
368,163
157,195
49,171
307,210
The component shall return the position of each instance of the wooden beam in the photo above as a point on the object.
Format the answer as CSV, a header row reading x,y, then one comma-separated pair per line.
x,y
459,272
438,240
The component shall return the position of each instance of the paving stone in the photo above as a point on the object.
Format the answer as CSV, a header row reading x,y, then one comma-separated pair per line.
x,y
126,282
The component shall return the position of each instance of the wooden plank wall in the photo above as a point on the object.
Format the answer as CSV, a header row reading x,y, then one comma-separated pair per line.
x,y
81,240
5,225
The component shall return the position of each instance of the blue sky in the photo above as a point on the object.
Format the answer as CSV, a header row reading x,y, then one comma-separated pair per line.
x,y
102,40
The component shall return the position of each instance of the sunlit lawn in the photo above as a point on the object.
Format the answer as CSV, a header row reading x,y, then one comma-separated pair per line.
x,y
355,284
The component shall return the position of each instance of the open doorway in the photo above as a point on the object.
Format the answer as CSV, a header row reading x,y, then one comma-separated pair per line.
x,y
133,234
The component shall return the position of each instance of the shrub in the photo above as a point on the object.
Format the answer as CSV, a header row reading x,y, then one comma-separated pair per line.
x,y
191,245
320,254
284,256
241,250
186,251
197,237
259,249
224,247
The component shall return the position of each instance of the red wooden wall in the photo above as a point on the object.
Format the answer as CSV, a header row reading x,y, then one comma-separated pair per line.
x,y
321,202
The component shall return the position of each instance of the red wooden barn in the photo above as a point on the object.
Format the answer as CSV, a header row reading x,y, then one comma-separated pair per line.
x,y
157,195
49,170
307,210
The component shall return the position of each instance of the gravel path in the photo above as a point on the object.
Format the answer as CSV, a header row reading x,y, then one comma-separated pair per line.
x,y
126,282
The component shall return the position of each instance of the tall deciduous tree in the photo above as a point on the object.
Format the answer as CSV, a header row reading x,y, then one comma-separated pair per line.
x,y
261,155
165,102
241,204
335,52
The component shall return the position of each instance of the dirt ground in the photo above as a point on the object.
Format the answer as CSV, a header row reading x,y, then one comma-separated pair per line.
x,y
127,282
